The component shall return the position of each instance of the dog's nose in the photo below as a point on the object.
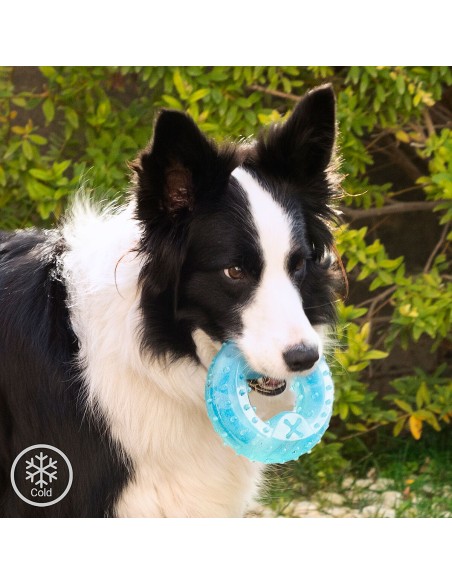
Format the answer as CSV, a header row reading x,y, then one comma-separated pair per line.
x,y
300,357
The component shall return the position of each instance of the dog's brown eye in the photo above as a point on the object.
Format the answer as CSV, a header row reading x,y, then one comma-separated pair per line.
x,y
235,273
299,268
299,265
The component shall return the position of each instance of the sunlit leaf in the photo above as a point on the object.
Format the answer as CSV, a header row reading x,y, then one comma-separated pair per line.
x,y
403,405
415,425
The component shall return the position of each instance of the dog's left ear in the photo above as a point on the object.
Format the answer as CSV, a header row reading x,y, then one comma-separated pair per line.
x,y
303,146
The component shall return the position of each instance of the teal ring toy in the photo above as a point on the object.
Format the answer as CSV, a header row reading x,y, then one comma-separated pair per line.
x,y
285,436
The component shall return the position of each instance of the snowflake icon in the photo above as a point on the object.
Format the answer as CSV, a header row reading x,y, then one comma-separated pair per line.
x,y
47,469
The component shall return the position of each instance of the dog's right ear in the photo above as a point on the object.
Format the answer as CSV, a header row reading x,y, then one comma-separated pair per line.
x,y
174,169
173,174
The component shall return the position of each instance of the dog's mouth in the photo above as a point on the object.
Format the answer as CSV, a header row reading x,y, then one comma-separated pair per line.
x,y
267,385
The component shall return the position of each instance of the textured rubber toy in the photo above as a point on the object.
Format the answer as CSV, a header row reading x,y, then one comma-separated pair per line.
x,y
284,437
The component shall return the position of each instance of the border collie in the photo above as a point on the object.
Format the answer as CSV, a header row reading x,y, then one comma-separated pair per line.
x,y
109,322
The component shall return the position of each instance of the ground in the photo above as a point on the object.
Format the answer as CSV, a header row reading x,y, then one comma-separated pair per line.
x,y
386,478
369,497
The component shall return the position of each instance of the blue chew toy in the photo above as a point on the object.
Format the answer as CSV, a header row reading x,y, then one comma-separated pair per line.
x,y
284,437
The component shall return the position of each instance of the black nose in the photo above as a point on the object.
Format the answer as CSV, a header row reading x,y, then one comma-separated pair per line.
x,y
301,357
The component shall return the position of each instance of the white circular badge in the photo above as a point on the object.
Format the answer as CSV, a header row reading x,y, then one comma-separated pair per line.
x,y
45,475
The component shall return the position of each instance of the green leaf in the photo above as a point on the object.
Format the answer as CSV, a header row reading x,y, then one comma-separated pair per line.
x,y
374,354
103,111
250,117
19,101
45,208
343,411
199,94
386,278
72,117
423,390
354,74
417,331
355,409
398,427
429,417
27,150
179,84
48,109
231,116
172,102
400,84
391,264
376,283
359,427
19,130
41,174
11,149
47,71
38,191
357,367
419,399
37,139
403,405
60,167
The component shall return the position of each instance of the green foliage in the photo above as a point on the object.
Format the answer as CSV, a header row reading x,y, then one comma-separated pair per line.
x,y
75,125
423,305
438,186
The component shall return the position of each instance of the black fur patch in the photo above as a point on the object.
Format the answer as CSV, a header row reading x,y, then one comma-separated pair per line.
x,y
41,395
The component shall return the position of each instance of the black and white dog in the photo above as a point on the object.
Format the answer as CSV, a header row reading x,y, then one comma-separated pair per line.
x,y
109,322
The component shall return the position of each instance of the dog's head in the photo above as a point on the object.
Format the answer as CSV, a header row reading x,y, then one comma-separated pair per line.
x,y
237,239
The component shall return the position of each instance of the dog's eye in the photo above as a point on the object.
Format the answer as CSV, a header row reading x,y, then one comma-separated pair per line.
x,y
234,273
299,268
299,265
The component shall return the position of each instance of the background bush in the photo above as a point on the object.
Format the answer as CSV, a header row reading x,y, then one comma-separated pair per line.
x,y
61,127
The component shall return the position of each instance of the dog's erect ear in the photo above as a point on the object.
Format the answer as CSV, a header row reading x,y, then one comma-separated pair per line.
x,y
173,168
178,169
303,146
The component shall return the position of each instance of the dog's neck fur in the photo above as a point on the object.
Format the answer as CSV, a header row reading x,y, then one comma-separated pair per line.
x,y
155,410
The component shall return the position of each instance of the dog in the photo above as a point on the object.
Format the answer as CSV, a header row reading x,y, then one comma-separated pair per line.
x,y
109,322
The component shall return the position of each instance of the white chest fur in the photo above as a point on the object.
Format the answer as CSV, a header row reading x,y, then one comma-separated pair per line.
x,y
155,412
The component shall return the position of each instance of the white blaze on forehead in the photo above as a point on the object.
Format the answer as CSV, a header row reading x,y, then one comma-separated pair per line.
x,y
272,223
274,320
